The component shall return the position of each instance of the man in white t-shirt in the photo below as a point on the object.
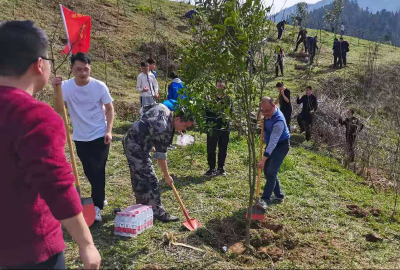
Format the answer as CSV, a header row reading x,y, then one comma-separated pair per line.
x,y
92,114
147,85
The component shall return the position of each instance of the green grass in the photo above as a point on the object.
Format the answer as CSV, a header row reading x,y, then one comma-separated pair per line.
x,y
317,230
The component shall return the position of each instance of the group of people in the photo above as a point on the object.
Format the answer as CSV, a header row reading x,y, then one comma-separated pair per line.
x,y
37,180
340,50
310,44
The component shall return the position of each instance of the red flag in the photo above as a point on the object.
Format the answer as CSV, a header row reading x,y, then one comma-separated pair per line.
x,y
78,29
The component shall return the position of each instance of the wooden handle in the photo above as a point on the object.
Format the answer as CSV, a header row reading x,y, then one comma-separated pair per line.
x,y
180,202
60,101
261,156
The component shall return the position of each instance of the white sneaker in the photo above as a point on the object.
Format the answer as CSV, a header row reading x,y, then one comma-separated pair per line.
x,y
98,214
105,203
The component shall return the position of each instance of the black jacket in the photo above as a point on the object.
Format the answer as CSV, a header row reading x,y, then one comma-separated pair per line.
x,y
337,50
215,118
309,103
345,46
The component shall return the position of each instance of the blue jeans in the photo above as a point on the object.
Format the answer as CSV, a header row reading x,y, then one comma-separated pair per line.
x,y
271,169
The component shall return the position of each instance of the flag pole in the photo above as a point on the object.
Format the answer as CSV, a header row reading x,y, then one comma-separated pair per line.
x,y
66,29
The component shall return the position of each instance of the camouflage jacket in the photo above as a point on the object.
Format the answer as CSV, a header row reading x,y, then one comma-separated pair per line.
x,y
154,128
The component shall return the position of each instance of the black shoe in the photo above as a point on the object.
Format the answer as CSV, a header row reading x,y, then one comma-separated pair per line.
x,y
210,173
278,200
167,218
221,171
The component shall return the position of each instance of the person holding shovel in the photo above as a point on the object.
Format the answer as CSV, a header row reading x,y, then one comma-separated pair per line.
x,y
37,190
276,136
92,115
154,128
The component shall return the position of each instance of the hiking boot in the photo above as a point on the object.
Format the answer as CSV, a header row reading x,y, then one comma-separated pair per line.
x,y
210,173
105,203
167,218
171,147
98,214
221,171
261,204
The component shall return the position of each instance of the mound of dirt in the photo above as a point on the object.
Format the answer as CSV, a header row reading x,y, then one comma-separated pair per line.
x,y
373,238
356,211
271,252
237,248
260,238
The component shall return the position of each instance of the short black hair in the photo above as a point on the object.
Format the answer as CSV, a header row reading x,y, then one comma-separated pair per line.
x,y
309,87
280,84
81,57
22,43
341,38
144,64
173,75
151,61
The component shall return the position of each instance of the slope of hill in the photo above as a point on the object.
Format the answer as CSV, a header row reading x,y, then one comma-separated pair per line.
x,y
328,211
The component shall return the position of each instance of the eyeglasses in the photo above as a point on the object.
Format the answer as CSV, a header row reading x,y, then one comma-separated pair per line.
x,y
44,58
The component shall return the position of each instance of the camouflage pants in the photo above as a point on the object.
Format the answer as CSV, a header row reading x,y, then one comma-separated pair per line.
x,y
143,177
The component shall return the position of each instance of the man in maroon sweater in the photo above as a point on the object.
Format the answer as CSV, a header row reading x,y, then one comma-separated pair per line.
x,y
36,184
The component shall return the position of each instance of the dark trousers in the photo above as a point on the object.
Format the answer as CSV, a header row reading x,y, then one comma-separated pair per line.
x,y
280,32
54,262
344,58
305,124
220,138
312,55
93,156
287,115
271,168
337,60
304,41
351,148
277,65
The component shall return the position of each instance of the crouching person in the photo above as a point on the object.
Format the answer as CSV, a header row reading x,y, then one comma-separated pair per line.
x,y
155,128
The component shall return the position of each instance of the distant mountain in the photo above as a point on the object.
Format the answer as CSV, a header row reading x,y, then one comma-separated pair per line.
x,y
372,5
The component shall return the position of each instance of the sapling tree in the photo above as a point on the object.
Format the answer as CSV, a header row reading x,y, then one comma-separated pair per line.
x,y
229,44
332,16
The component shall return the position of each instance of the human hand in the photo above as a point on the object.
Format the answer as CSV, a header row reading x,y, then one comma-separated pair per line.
x,y
90,257
108,138
261,164
145,89
168,180
156,96
312,111
56,81
180,132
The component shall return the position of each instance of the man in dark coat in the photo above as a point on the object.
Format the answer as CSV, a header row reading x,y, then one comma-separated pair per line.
x,y
337,53
345,49
353,127
310,106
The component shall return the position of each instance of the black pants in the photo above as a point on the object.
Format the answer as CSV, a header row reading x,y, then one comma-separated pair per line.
x,y
93,156
312,55
220,138
280,32
277,65
304,41
305,124
344,58
337,59
287,115
54,262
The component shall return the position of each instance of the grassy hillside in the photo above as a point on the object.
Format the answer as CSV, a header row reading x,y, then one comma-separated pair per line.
x,y
328,212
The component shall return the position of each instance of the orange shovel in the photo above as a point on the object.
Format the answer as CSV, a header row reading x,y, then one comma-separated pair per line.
x,y
191,224
88,207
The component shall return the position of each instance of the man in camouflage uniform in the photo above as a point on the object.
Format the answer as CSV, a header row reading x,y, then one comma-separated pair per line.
x,y
154,128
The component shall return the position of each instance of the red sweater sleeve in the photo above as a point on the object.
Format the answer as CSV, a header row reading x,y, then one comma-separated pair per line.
x,y
41,151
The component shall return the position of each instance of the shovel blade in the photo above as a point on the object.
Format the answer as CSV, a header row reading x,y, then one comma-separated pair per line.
x,y
193,225
257,213
88,211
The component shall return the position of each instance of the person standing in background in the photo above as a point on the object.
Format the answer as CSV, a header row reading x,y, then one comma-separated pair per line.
x,y
344,45
337,54
279,59
310,106
147,85
152,66
285,104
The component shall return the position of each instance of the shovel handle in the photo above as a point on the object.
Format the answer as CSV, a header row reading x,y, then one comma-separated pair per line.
x,y
60,101
261,154
181,204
